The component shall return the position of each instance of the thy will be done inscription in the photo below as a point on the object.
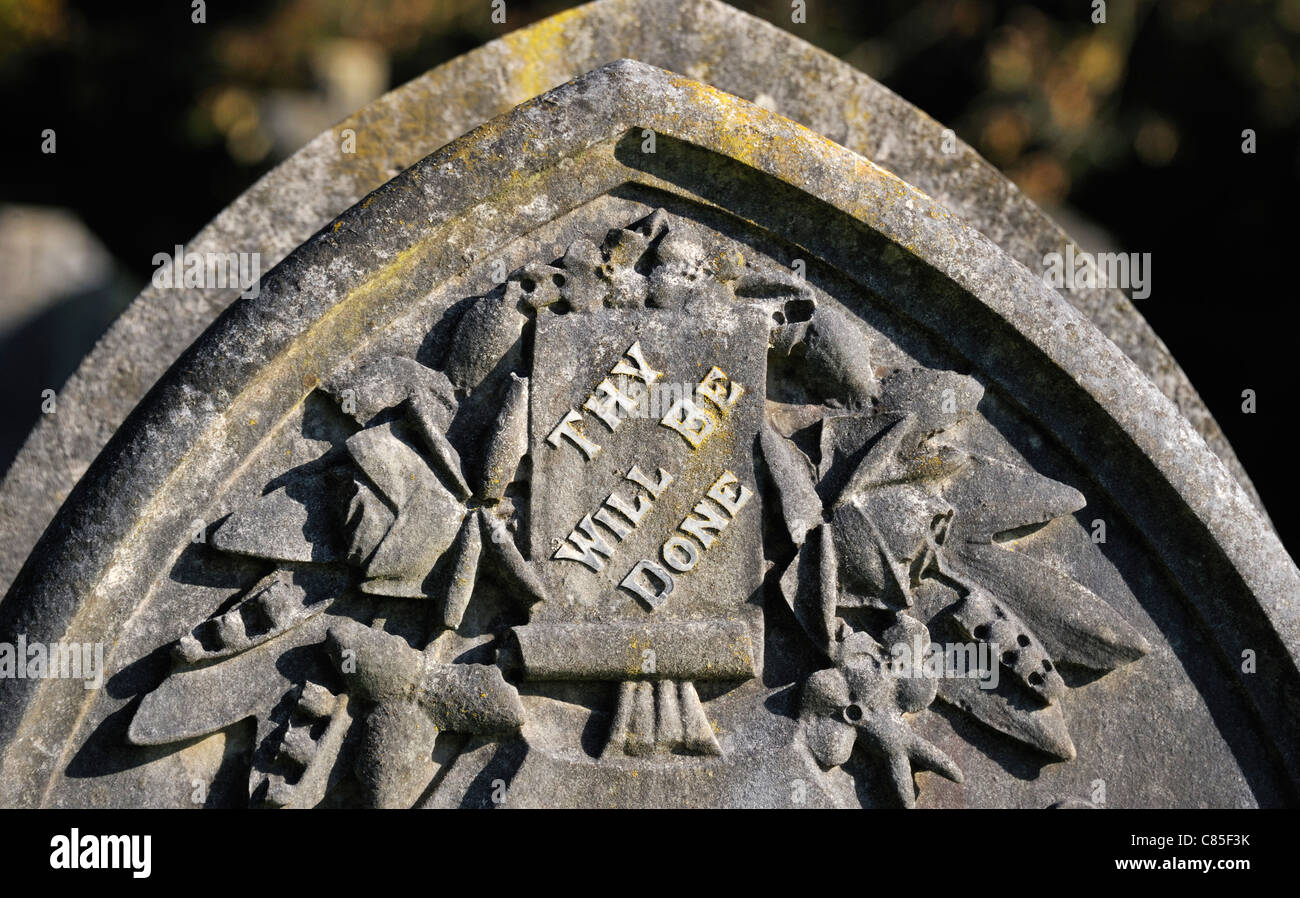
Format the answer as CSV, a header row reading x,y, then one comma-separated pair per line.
x,y
644,427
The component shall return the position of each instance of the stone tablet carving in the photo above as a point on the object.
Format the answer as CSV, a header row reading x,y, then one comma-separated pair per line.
x,y
581,418
758,480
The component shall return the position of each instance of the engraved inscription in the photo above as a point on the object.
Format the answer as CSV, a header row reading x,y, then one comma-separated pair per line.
x,y
695,422
610,402
620,516
649,581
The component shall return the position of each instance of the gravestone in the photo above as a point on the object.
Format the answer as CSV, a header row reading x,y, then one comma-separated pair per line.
x,y
643,447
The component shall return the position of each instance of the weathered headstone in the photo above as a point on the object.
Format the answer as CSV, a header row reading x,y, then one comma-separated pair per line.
x,y
643,447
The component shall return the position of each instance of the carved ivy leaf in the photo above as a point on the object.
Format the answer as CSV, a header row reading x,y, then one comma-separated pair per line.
x,y
296,522
426,516
795,483
1076,625
994,497
810,589
1039,726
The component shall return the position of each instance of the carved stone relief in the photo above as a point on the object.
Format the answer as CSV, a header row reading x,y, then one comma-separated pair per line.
x,y
623,449
753,477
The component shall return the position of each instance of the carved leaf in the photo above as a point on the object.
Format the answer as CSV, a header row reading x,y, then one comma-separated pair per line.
x,y
1040,727
508,442
388,382
464,573
428,516
499,548
810,588
938,399
1075,624
296,522
792,475
993,497
490,329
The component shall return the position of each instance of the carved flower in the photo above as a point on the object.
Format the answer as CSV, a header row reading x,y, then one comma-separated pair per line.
x,y
861,703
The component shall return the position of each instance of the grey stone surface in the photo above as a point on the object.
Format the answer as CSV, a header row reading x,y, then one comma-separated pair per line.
x,y
703,39
449,552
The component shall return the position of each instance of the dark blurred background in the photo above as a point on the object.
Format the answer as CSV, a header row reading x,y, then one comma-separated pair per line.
x,y
1129,132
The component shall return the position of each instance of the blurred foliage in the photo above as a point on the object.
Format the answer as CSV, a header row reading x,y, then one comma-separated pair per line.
x,y
29,24
1040,90
1050,97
